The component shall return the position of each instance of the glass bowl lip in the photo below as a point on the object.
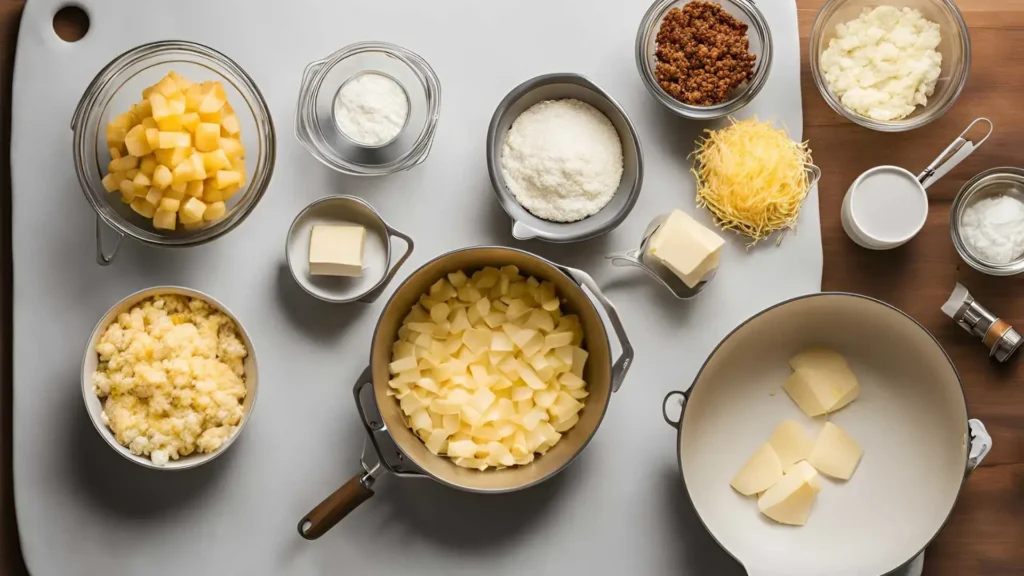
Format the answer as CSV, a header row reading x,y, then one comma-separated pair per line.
x,y
313,77
255,189
961,201
923,119
744,95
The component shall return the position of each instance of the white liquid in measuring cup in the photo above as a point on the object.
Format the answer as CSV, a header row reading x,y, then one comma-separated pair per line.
x,y
889,205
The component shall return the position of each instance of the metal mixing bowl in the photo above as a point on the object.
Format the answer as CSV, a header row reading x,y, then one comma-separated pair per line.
x,y
760,45
955,48
1005,181
117,87
555,87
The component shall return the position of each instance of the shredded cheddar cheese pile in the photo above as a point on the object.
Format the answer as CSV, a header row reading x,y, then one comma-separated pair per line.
x,y
752,178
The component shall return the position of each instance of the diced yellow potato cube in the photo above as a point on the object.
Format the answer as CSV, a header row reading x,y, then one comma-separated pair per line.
x,y
193,97
180,81
115,153
153,138
165,220
159,106
172,123
199,165
130,175
167,87
127,188
122,121
143,110
179,187
195,189
192,211
175,194
216,160
184,172
233,148
212,103
190,120
215,211
143,208
147,164
207,137
175,139
179,155
212,117
230,191
230,125
211,193
176,104
112,181
169,204
115,136
226,178
141,180
149,122
154,195
135,141
162,176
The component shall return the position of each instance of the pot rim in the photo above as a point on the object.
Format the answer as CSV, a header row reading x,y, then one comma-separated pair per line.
x,y
688,392
407,460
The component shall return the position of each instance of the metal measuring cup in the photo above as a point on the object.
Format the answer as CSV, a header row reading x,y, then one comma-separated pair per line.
x,y
639,258
854,221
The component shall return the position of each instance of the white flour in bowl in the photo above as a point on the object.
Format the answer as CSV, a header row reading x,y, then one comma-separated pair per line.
x,y
562,160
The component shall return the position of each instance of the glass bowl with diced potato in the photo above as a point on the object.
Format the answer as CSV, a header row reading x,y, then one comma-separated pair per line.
x,y
174,145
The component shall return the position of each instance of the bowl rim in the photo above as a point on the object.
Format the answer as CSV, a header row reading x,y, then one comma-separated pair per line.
x,y
907,124
493,152
960,203
743,95
257,186
196,458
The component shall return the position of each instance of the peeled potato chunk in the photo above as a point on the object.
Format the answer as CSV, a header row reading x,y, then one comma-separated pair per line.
x,y
179,135
483,372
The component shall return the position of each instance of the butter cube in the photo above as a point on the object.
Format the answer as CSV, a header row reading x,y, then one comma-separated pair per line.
x,y
790,500
791,443
835,453
762,470
686,248
822,382
337,250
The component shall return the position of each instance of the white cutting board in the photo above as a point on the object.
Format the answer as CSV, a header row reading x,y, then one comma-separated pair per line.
x,y
620,509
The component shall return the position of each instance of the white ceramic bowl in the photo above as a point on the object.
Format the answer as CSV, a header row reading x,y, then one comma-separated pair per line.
x,y
94,406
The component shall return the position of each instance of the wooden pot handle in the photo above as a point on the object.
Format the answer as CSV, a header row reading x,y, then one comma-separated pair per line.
x,y
335,507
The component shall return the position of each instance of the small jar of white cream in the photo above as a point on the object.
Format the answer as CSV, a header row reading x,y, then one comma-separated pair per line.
x,y
371,109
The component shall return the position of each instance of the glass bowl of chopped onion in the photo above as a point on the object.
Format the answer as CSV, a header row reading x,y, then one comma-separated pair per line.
x,y
922,78
759,46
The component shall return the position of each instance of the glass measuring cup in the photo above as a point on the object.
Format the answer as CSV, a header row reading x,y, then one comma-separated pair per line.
x,y
886,206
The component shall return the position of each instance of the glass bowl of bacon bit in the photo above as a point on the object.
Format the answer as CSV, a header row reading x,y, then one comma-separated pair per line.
x,y
704,60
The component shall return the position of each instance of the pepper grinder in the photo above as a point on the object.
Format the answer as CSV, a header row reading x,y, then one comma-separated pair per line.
x,y
1000,338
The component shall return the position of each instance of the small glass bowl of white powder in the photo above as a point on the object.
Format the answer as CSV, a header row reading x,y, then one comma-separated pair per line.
x,y
371,109
987,222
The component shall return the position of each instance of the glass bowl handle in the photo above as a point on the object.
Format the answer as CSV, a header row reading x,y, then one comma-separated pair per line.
x,y
301,129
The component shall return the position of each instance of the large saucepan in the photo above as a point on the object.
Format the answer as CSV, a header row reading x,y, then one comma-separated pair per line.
x,y
397,450
911,420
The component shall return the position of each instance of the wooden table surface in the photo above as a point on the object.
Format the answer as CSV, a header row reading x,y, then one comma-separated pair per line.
x,y
986,532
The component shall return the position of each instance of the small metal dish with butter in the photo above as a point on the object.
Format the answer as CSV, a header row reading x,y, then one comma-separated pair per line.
x,y
641,258
377,269
1004,181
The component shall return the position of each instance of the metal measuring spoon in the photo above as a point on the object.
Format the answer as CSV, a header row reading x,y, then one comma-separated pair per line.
x,y
664,276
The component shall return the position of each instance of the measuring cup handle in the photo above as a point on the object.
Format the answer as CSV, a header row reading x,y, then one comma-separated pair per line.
x,y
954,154
302,132
375,292
628,258
102,258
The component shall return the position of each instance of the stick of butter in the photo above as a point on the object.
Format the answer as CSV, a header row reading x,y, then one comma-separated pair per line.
x,y
822,382
835,453
336,250
790,500
791,443
761,471
686,248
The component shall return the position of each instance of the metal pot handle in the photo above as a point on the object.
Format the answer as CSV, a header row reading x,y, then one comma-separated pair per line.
x,y
621,366
337,506
102,258
371,296
377,431
683,398
980,443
